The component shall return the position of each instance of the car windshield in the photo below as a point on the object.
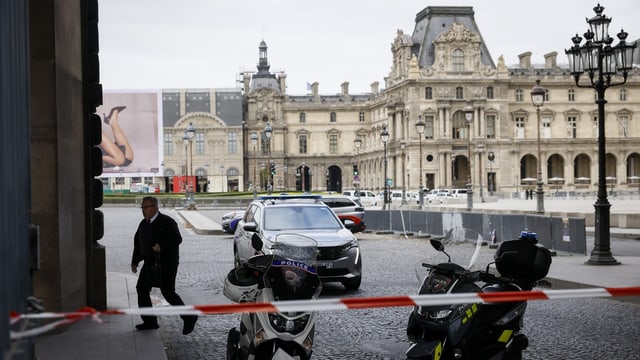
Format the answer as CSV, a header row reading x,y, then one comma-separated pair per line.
x,y
300,218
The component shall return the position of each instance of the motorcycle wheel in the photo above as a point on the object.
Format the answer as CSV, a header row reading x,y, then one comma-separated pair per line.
x,y
232,344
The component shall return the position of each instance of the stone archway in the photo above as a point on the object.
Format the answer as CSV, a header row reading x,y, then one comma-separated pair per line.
x,y
303,182
334,178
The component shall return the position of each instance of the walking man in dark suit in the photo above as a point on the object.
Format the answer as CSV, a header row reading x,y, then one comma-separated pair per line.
x,y
157,237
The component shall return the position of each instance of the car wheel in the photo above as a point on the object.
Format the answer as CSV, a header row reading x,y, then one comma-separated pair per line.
x,y
353,283
232,344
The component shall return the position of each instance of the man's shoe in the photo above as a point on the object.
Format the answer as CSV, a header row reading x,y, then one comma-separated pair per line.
x,y
189,324
147,326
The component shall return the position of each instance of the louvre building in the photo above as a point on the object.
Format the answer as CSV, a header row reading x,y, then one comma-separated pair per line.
x,y
480,125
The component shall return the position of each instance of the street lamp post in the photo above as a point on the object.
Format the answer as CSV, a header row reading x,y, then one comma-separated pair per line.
x,y
384,136
404,184
537,98
468,115
420,124
222,176
187,139
357,142
480,152
254,142
601,62
491,156
207,176
303,171
267,134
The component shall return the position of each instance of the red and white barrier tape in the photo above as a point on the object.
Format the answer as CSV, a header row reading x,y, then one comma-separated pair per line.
x,y
324,305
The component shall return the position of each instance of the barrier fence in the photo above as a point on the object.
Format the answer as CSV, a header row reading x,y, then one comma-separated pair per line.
x,y
334,304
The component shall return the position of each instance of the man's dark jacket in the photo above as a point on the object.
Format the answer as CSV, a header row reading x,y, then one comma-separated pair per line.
x,y
164,231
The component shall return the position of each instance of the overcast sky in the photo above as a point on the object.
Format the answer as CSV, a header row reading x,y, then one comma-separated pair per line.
x,y
155,44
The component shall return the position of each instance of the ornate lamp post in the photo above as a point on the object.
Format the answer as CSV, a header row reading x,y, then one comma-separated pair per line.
x,y
601,62
384,137
537,98
468,115
254,142
222,176
267,135
491,156
187,139
357,142
420,124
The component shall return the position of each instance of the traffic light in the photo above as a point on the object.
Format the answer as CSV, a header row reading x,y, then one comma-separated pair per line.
x,y
273,169
355,170
92,98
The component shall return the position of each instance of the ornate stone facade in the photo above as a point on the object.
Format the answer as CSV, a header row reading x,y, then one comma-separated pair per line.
x,y
437,72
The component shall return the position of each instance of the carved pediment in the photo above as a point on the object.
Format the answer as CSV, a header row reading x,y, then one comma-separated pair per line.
x,y
458,33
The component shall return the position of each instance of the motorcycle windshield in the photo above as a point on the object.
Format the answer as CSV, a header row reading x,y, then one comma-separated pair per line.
x,y
462,245
465,244
291,275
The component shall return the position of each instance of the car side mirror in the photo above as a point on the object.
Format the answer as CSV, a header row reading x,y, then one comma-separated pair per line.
x,y
349,223
256,242
250,226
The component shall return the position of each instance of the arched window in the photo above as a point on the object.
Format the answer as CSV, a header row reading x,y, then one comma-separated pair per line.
x,y
460,126
303,117
332,116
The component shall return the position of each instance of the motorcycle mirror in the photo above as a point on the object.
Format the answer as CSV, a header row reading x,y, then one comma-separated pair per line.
x,y
256,242
437,244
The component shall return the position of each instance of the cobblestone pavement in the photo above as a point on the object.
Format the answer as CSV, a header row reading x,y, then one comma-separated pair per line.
x,y
557,329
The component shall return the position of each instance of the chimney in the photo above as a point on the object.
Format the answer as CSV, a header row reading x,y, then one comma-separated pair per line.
x,y
550,60
525,60
283,83
247,83
375,87
345,88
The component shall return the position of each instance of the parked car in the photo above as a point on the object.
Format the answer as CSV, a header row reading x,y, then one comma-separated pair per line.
x,y
339,258
347,209
396,196
366,198
459,193
440,197
230,220
433,193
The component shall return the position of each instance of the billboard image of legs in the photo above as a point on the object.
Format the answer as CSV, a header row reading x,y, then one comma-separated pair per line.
x,y
129,133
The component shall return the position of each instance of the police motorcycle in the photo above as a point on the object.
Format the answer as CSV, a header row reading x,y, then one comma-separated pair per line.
x,y
285,273
479,330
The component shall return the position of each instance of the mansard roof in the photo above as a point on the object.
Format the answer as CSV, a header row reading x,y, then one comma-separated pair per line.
x,y
434,20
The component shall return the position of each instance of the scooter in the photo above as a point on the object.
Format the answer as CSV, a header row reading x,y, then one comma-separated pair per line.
x,y
285,273
479,330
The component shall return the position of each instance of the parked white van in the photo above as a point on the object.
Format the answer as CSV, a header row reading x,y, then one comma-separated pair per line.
x,y
433,193
367,198
396,196
459,193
